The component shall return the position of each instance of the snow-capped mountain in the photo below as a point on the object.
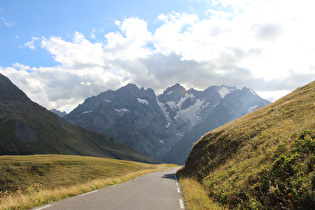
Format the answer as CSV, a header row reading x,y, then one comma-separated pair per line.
x,y
220,106
130,114
156,125
189,108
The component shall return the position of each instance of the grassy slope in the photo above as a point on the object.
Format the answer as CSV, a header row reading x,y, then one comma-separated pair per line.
x,y
26,128
27,181
53,135
265,159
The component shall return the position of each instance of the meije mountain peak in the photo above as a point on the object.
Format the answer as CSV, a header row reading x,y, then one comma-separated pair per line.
x,y
163,127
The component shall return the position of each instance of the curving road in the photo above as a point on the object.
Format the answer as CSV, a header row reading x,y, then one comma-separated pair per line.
x,y
154,191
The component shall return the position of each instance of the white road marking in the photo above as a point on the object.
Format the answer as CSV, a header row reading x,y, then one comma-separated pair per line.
x,y
181,204
43,207
88,193
178,190
176,183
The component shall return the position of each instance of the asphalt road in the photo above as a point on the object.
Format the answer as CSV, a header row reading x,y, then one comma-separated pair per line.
x,y
154,191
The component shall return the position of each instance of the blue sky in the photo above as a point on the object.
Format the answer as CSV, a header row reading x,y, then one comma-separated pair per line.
x,y
60,52
22,20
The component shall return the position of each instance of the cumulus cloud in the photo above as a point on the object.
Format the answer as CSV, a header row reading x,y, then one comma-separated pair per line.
x,y
264,45
131,42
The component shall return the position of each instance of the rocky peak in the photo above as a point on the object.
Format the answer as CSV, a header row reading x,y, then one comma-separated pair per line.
x,y
152,125
9,92
174,93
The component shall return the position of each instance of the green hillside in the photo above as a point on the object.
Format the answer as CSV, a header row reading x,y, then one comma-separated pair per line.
x,y
27,128
265,159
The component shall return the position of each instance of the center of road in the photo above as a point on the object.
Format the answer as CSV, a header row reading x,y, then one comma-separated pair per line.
x,y
154,191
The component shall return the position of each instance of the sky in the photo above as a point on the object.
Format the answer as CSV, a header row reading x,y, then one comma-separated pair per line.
x,y
60,52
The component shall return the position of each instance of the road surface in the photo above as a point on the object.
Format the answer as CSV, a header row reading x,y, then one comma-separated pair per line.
x,y
154,191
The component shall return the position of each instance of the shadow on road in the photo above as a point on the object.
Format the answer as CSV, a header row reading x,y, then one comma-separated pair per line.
x,y
169,176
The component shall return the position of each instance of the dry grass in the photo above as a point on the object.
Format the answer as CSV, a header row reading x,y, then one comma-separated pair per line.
x,y
32,191
196,196
30,200
263,160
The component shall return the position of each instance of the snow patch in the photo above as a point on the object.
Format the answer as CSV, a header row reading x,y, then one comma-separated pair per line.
x,y
191,113
183,99
177,105
163,108
169,93
143,101
252,108
122,110
107,101
205,105
172,104
216,104
253,92
86,112
224,91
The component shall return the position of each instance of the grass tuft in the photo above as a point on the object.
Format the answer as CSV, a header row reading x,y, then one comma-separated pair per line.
x,y
196,195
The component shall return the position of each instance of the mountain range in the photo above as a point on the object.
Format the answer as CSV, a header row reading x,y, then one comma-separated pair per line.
x,y
166,126
27,128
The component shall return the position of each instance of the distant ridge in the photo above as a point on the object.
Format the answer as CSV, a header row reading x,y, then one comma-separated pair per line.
x,y
264,160
166,126
59,113
27,128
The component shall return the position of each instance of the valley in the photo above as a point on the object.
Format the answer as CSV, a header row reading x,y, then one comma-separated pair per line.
x,y
251,154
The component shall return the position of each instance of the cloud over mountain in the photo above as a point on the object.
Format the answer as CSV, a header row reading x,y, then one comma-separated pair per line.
x,y
264,45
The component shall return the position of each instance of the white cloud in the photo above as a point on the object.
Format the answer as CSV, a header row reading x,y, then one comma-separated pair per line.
x,y
131,42
173,34
265,45
31,44
7,22
76,54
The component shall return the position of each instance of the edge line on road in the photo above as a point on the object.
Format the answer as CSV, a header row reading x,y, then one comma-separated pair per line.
x,y
89,193
181,204
43,207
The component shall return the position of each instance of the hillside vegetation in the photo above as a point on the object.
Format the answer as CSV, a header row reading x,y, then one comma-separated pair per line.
x,y
265,159
27,128
31,180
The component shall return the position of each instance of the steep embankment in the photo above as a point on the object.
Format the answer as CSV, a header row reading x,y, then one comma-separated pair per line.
x,y
265,159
